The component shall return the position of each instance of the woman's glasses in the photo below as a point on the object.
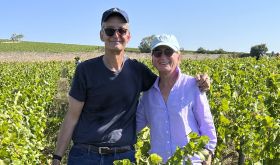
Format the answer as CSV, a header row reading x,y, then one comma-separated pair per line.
x,y
168,52
111,31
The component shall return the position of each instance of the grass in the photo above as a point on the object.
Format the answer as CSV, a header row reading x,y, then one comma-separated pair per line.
x,y
26,46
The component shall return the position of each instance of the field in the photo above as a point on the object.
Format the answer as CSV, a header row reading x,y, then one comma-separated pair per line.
x,y
39,51
69,56
244,99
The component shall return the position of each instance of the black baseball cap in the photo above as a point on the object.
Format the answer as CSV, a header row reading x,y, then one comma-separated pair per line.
x,y
114,11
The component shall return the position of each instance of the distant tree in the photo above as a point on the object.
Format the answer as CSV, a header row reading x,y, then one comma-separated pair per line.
x,y
145,45
221,51
13,37
201,50
272,54
277,55
258,51
16,37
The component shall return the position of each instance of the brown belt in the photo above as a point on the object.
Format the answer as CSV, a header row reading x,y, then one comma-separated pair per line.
x,y
104,150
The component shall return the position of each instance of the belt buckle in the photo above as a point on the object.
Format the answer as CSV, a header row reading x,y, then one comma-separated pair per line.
x,y
100,149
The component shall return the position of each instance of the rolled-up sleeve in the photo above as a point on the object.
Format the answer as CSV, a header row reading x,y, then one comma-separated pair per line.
x,y
205,120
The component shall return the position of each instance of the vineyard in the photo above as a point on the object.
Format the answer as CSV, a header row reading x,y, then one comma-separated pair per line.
x,y
27,46
244,100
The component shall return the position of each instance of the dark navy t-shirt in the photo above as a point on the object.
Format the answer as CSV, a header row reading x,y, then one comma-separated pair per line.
x,y
108,115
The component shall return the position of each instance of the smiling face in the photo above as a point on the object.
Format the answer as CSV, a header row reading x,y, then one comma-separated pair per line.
x,y
115,34
167,62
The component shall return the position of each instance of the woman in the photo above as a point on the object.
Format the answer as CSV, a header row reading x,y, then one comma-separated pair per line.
x,y
174,106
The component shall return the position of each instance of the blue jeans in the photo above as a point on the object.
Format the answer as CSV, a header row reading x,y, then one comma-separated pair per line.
x,y
81,156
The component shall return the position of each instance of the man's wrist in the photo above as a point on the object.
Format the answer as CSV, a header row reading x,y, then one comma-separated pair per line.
x,y
56,157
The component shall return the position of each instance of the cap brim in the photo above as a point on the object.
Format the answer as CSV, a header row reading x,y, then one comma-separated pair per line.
x,y
165,44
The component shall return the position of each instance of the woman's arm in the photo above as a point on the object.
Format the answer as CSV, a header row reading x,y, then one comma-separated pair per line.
x,y
141,120
204,119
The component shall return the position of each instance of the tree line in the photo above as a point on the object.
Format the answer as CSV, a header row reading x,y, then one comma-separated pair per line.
x,y
256,51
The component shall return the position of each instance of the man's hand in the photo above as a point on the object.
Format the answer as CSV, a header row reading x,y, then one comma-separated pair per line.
x,y
203,82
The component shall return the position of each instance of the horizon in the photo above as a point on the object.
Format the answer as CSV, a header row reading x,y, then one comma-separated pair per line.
x,y
10,41
233,26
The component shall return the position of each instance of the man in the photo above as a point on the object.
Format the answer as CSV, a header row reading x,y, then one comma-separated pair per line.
x,y
103,100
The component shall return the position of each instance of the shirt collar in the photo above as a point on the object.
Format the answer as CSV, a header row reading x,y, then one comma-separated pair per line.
x,y
155,85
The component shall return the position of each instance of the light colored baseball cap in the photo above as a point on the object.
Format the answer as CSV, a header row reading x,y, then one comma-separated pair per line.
x,y
165,40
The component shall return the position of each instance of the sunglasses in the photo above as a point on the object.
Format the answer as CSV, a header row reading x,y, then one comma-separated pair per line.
x,y
168,52
111,31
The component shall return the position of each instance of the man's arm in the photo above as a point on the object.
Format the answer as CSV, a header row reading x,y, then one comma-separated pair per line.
x,y
67,127
203,82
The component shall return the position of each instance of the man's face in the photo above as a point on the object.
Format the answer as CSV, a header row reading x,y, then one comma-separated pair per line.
x,y
165,59
115,33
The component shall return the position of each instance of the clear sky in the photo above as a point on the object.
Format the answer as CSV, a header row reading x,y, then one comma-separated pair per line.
x,y
233,25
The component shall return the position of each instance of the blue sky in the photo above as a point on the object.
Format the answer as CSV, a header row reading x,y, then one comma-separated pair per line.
x,y
233,25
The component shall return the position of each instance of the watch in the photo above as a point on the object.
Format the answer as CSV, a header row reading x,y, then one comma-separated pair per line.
x,y
57,157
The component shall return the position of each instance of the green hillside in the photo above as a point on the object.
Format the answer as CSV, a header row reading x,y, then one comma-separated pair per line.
x,y
26,46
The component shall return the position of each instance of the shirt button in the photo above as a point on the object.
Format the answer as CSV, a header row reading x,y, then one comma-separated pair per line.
x,y
167,132
168,142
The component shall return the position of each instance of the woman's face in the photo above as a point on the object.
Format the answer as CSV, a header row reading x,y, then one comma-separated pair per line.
x,y
165,59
